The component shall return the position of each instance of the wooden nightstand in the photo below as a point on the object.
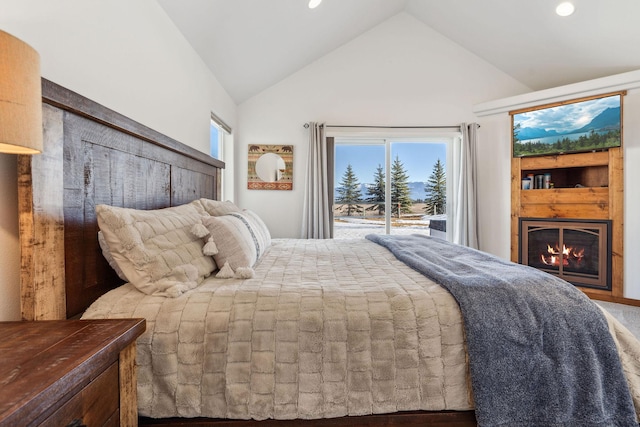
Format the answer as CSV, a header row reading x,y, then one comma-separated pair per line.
x,y
69,372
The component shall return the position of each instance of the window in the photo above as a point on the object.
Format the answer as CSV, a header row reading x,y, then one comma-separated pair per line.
x,y
216,141
217,130
390,186
221,148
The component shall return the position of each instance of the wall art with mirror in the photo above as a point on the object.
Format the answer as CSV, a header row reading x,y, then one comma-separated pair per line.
x,y
586,124
270,167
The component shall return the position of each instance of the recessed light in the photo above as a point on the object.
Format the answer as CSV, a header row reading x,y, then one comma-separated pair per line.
x,y
314,3
565,9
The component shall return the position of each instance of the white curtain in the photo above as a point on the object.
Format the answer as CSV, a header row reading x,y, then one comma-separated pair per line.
x,y
316,219
465,220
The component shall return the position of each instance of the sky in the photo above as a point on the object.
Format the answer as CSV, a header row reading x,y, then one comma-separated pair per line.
x,y
418,159
567,117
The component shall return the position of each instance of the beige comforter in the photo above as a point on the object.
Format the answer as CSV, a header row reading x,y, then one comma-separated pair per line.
x,y
326,328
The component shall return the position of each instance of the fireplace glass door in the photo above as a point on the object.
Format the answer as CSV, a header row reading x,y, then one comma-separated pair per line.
x,y
578,251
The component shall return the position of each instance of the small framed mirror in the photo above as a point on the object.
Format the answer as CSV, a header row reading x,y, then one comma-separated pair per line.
x,y
270,167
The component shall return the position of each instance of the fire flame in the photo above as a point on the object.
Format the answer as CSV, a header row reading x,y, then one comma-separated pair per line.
x,y
555,256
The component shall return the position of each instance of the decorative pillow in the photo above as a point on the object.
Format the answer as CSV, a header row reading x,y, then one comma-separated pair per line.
x,y
106,253
218,208
240,239
155,248
259,227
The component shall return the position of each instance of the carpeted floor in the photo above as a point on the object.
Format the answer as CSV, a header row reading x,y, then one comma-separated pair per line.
x,y
628,315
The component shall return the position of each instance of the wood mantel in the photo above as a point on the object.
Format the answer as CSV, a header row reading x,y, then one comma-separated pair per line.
x,y
589,186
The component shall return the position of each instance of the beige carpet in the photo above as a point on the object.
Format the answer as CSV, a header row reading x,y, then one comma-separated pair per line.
x,y
628,315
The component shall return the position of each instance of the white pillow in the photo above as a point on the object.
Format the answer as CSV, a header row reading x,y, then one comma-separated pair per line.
x,y
219,208
155,248
240,237
106,253
259,228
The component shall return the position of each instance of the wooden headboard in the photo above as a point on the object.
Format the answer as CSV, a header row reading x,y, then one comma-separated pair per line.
x,y
92,155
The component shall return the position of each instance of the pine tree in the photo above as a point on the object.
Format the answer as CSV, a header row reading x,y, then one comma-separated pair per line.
x,y
400,192
376,191
436,189
349,191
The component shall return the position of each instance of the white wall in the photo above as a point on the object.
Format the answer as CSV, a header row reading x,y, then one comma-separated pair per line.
x,y
399,73
126,55
494,185
495,165
631,141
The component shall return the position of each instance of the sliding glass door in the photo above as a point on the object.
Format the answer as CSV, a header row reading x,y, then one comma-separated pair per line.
x,y
389,186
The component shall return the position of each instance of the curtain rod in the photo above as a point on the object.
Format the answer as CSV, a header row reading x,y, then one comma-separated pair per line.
x,y
306,126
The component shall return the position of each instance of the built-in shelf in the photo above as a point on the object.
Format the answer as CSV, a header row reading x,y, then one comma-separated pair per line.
x,y
570,170
578,203
585,186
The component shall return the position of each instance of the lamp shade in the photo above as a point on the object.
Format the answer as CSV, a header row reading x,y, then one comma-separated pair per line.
x,y
20,97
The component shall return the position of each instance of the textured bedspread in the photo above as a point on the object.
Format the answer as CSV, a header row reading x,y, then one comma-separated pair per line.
x,y
324,329
540,352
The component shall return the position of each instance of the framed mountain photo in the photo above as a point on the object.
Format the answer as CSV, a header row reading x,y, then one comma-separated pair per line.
x,y
586,124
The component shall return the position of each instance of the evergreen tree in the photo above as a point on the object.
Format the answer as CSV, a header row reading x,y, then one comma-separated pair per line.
x,y
436,189
349,192
400,193
516,131
376,191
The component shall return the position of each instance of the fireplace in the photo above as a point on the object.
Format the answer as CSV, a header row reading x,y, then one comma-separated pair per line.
x,y
578,251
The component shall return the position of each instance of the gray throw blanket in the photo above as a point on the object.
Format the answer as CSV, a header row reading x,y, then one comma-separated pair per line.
x,y
540,352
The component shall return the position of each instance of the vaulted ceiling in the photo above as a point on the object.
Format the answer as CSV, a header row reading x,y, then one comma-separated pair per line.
x,y
252,44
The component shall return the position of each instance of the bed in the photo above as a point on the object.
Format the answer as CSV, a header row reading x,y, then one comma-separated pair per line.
x,y
306,332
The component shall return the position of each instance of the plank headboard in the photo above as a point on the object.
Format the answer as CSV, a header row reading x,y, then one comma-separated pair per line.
x,y
92,155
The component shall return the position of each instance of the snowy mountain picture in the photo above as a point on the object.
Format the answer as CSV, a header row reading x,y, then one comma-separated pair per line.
x,y
588,125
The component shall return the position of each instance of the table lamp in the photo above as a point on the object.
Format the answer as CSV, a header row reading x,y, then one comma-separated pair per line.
x,y
20,97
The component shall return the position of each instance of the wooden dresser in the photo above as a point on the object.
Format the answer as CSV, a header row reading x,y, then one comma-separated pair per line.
x,y
69,372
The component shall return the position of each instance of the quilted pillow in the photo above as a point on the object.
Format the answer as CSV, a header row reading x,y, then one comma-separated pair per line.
x,y
106,253
240,237
155,249
218,208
